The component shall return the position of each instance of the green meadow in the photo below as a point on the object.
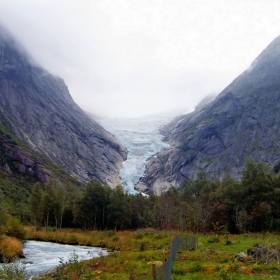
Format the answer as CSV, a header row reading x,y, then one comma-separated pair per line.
x,y
138,250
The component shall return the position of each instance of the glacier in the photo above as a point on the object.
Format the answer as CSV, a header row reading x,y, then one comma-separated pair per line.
x,y
142,139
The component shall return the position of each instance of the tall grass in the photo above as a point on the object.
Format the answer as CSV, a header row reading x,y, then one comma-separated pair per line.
x,y
115,240
130,250
13,271
214,259
136,250
10,248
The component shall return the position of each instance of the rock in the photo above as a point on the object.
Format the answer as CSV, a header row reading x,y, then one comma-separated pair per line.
x,y
264,254
241,123
157,263
37,108
241,257
27,262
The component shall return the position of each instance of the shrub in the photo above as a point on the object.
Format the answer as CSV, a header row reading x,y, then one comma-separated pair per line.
x,y
197,267
224,274
115,238
14,228
143,246
178,271
74,269
73,239
228,242
139,234
109,233
214,239
10,248
13,270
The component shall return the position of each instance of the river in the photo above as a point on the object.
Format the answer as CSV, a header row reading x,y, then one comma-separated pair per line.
x,y
44,256
142,139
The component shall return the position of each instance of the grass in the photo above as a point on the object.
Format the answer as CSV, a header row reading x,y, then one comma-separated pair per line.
x,y
136,250
132,241
10,248
214,259
132,249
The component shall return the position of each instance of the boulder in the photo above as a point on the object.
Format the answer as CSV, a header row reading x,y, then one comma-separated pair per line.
x,y
241,257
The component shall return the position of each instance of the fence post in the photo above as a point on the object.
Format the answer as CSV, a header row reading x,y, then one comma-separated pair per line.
x,y
180,242
154,272
164,259
131,277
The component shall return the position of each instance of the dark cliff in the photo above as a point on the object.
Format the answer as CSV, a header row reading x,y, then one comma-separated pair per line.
x,y
37,108
241,123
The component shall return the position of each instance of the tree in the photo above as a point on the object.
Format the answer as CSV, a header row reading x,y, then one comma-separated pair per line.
x,y
91,208
119,209
36,204
257,179
241,218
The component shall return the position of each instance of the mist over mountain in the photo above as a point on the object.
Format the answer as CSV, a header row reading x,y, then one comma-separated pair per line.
x,y
241,123
37,109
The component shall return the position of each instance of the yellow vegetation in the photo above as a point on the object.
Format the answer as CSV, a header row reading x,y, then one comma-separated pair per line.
x,y
10,247
209,269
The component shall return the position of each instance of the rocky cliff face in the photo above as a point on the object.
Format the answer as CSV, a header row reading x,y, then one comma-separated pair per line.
x,y
37,108
241,123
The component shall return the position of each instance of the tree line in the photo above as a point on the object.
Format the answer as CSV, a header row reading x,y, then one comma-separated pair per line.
x,y
250,204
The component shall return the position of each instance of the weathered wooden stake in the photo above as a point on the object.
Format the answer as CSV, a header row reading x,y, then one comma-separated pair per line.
x,y
154,271
131,277
163,262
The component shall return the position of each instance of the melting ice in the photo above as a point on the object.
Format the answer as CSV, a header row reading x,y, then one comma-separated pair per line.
x,y
142,139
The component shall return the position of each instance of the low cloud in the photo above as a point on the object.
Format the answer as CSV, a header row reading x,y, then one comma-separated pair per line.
x,y
133,58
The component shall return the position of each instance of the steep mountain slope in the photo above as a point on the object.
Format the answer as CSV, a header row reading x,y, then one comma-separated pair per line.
x,y
241,123
38,109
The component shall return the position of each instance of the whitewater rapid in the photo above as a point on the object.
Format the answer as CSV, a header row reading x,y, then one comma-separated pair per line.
x,y
142,139
43,256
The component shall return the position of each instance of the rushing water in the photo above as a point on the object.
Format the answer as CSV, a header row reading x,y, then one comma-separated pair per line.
x,y
142,139
44,256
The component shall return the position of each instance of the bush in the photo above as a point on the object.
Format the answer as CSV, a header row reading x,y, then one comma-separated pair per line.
x,y
14,271
178,271
139,234
14,228
73,239
143,246
115,238
214,239
197,267
228,242
10,248
74,269
224,274
109,233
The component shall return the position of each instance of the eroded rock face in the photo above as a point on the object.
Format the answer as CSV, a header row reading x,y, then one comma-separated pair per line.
x,y
241,123
37,107
17,159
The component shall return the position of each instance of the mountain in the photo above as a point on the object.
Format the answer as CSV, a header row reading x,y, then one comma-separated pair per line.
x,y
241,123
42,127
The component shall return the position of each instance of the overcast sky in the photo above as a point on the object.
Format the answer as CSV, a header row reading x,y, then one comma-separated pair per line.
x,y
127,58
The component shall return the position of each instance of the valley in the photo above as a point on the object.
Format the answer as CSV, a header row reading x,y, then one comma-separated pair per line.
x,y
130,184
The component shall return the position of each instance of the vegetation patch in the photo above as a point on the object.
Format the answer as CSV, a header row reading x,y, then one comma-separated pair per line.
x,y
11,248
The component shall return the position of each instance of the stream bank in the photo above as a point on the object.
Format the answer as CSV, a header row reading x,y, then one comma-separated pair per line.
x,y
44,256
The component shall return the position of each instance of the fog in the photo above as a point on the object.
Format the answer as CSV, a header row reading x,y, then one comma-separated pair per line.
x,y
137,57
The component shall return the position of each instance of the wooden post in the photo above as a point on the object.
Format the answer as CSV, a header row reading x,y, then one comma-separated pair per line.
x,y
163,262
131,277
154,271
